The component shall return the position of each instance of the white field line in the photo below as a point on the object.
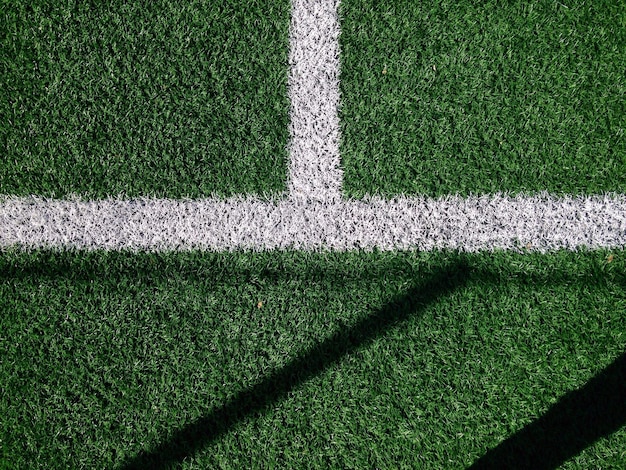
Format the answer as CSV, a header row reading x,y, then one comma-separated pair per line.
x,y
314,168
470,224
313,216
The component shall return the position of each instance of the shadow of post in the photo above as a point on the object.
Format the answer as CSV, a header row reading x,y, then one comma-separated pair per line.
x,y
580,418
187,441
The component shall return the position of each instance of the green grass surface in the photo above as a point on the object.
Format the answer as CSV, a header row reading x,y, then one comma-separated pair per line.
x,y
157,97
443,97
311,360
295,360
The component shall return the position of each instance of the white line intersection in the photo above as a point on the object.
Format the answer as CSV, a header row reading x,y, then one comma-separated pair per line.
x,y
313,215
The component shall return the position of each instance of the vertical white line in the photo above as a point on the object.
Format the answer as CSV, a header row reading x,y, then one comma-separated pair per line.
x,y
315,174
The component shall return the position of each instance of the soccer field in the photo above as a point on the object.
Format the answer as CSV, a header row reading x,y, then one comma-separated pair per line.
x,y
312,234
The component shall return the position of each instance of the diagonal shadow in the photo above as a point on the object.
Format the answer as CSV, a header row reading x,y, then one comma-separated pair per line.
x,y
187,441
578,420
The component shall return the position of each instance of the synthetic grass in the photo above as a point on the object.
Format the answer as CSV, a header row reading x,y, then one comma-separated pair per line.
x,y
467,97
159,98
301,360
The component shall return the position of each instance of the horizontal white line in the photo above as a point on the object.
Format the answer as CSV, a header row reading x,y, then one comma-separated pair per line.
x,y
541,222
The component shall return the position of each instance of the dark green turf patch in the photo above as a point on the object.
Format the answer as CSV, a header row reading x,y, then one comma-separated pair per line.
x,y
157,98
300,360
465,97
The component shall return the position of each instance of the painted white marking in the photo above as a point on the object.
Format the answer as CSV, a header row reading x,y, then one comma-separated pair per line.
x,y
470,224
314,168
313,216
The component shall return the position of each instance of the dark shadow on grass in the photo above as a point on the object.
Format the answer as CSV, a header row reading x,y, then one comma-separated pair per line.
x,y
580,418
257,399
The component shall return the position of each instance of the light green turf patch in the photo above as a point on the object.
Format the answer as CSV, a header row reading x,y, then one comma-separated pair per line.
x,y
352,360
469,97
160,98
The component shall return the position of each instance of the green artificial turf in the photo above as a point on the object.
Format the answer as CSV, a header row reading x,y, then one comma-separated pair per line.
x,y
296,360
159,98
468,97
